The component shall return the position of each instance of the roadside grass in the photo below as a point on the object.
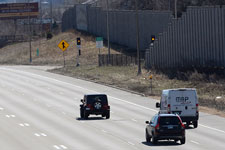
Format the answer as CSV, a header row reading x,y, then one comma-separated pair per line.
x,y
210,88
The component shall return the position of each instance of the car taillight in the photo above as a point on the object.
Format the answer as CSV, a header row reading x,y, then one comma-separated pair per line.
x,y
168,109
157,126
182,125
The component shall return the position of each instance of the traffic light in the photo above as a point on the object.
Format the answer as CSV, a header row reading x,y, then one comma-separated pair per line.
x,y
78,41
152,38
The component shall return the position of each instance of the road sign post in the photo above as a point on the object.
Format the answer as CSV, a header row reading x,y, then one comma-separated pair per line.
x,y
150,77
79,50
99,45
63,45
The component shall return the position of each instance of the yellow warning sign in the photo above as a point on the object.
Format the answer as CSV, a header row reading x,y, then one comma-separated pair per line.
x,y
63,45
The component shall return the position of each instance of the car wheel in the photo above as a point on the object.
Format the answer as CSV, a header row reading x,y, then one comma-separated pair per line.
x,y
107,115
154,140
81,113
195,123
147,137
182,141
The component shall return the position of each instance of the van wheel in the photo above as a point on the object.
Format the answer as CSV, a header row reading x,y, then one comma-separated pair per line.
x,y
147,137
195,123
182,141
187,124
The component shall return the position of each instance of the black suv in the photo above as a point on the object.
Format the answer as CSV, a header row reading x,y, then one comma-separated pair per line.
x,y
165,127
94,104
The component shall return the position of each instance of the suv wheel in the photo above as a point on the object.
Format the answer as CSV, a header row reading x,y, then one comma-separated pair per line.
x,y
147,137
195,123
182,141
154,140
86,115
107,115
81,113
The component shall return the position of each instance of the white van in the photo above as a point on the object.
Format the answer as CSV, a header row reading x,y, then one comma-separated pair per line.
x,y
183,102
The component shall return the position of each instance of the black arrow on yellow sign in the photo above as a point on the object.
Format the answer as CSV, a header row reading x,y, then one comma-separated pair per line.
x,y
63,44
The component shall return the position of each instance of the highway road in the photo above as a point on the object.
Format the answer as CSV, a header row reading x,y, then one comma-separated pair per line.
x,y
40,111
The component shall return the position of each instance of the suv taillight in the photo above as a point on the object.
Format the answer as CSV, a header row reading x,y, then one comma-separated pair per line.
x,y
89,106
106,107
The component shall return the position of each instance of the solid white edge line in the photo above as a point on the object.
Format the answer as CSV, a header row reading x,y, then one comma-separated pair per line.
x,y
98,92
218,130
195,142
130,143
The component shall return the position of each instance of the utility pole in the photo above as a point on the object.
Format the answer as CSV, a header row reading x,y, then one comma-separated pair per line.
x,y
138,40
175,9
41,17
29,30
107,7
51,15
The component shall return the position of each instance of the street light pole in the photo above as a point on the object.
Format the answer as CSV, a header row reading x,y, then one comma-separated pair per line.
x,y
107,7
138,40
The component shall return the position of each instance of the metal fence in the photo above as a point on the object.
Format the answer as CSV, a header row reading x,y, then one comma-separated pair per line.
x,y
116,60
196,40
122,24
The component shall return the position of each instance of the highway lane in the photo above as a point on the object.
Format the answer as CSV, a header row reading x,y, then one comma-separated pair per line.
x,y
40,110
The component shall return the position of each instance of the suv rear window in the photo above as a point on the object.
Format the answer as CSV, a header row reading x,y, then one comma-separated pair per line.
x,y
94,98
169,121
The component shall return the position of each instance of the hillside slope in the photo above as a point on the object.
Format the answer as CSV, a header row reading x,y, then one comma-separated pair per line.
x,y
49,52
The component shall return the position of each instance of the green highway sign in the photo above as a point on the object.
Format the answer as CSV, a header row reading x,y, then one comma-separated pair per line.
x,y
99,42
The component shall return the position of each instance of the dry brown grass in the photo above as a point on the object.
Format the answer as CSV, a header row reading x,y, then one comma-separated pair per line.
x,y
50,53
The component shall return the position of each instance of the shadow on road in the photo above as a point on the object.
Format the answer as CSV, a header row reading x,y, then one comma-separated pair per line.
x,y
162,143
90,118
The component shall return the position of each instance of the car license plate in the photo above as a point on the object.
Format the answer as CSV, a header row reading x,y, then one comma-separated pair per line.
x,y
170,127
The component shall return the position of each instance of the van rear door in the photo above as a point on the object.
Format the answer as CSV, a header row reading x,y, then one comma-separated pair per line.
x,y
183,102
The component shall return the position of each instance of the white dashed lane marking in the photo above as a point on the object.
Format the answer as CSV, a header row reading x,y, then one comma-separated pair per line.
x,y
10,116
64,147
60,147
24,124
134,120
36,134
40,134
1,108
